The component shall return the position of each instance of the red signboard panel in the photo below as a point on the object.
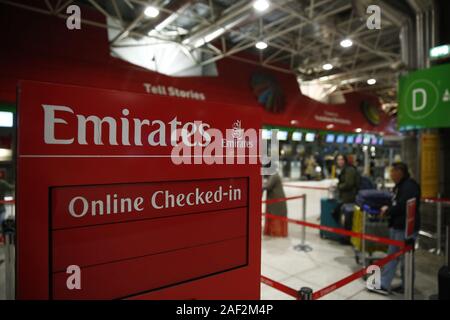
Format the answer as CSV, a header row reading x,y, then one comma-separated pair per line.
x,y
93,205
102,244
98,188
155,271
411,207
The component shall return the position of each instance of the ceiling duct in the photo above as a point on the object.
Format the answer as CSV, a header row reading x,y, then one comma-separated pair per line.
x,y
160,50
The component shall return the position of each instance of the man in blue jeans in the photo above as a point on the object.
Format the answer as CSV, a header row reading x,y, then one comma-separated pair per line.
x,y
405,189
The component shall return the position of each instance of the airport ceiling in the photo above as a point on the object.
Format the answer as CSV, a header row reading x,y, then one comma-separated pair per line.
x,y
302,36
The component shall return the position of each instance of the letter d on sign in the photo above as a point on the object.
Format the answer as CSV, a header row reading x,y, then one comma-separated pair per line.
x,y
416,93
74,280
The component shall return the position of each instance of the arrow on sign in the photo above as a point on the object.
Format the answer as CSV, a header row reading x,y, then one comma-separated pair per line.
x,y
446,97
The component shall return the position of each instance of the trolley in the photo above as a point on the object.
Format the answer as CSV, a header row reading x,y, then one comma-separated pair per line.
x,y
368,221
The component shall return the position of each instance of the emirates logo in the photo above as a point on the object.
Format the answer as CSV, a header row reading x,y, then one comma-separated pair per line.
x,y
238,132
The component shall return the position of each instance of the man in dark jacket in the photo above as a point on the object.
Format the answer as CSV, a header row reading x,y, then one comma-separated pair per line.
x,y
405,189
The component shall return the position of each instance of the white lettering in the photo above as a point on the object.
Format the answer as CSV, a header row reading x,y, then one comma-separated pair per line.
x,y
415,94
72,207
50,121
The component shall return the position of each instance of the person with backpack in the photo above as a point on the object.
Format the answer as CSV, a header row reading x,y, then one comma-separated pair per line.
x,y
347,187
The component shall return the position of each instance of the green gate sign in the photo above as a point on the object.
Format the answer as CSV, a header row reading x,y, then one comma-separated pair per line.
x,y
424,99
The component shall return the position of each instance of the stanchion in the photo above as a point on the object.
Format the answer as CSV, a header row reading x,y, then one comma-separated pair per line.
x,y
303,246
9,263
439,226
447,247
305,293
363,240
409,270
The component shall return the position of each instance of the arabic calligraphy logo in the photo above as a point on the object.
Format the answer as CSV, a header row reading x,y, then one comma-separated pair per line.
x,y
238,132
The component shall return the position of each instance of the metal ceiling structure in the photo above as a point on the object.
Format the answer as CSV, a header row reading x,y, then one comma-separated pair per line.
x,y
302,35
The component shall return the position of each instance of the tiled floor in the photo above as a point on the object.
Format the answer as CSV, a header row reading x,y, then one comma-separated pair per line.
x,y
329,261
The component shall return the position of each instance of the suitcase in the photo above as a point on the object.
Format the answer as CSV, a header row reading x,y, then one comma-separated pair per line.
x,y
375,199
374,226
327,207
444,283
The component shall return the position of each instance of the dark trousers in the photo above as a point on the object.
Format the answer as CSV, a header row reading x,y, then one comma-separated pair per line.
x,y
348,219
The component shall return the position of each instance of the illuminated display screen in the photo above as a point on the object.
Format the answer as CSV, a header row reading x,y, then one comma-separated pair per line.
x,y
351,139
359,139
297,136
266,134
340,139
310,137
282,135
329,138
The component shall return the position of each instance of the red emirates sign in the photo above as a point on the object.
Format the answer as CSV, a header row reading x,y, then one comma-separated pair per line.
x,y
104,211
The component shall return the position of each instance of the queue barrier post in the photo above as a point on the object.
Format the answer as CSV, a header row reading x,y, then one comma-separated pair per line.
x,y
305,293
10,235
439,226
303,246
363,240
409,270
447,247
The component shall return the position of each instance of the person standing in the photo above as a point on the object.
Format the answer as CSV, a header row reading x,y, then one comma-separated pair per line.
x,y
310,167
5,187
348,185
405,189
274,188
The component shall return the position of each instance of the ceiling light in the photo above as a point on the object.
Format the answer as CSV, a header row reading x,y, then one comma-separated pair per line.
x,y
151,12
346,43
261,5
261,45
327,66
371,82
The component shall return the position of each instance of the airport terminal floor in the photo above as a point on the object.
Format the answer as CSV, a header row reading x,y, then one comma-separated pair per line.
x,y
329,260
225,150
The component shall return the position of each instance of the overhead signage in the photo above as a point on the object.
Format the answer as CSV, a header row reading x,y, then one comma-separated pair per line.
x,y
424,99
172,91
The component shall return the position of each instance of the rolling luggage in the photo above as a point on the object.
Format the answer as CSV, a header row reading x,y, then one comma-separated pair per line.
x,y
373,225
444,283
375,199
327,206
444,274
